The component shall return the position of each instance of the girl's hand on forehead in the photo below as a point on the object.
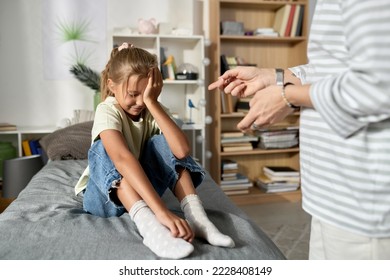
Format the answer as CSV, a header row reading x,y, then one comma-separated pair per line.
x,y
154,86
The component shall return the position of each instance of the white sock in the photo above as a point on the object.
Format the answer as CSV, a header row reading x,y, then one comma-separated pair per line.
x,y
157,237
200,223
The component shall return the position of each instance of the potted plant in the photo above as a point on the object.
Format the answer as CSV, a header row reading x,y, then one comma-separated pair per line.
x,y
88,77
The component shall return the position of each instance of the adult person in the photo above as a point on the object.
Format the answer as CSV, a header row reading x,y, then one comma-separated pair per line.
x,y
344,96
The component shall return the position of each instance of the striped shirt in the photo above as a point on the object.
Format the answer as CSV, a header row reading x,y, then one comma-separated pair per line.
x,y
345,140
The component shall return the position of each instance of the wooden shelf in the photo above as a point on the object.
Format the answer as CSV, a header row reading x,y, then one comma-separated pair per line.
x,y
290,40
264,52
260,152
257,196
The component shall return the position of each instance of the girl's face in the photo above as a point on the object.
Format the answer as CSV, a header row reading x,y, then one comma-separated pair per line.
x,y
131,98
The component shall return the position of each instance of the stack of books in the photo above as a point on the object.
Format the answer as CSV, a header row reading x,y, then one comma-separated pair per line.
x,y
278,179
31,147
7,127
237,141
289,20
232,181
282,138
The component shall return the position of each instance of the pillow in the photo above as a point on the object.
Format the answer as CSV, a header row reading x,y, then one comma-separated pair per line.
x,y
71,142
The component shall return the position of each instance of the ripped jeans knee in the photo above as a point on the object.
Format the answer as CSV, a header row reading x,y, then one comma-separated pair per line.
x,y
100,197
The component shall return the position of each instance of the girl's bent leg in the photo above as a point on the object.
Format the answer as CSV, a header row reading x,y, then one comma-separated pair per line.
x,y
162,167
100,195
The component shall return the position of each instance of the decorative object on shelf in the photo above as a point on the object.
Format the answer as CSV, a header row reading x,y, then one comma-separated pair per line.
x,y
232,28
63,123
191,106
186,71
90,78
170,67
147,26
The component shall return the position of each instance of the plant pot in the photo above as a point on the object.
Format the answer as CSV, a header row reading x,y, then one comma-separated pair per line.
x,y
96,99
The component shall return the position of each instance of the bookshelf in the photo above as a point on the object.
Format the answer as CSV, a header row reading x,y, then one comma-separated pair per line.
x,y
264,52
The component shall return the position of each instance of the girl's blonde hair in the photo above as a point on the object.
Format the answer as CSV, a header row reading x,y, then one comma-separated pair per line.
x,y
123,63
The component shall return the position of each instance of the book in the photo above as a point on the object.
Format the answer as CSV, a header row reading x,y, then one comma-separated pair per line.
x,y
268,185
224,105
266,32
279,189
242,105
7,127
264,180
237,186
279,144
236,192
281,18
281,171
34,147
300,21
295,21
245,138
224,64
227,134
237,147
229,176
283,179
278,139
229,164
26,148
240,179
290,20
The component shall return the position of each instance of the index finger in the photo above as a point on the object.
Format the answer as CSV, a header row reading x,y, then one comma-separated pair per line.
x,y
217,84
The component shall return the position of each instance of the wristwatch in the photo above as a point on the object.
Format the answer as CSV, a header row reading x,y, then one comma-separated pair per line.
x,y
279,76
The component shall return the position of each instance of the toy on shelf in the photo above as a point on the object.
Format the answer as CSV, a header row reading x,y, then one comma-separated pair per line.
x,y
147,26
191,106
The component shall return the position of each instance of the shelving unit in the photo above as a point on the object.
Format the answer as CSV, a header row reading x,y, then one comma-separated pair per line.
x,y
265,52
24,133
177,93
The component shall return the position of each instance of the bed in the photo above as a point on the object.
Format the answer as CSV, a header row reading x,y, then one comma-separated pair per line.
x,y
47,221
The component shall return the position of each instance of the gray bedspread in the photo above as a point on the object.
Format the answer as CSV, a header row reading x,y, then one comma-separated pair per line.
x,y
47,221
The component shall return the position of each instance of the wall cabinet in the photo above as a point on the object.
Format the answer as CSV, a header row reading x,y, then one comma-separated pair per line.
x,y
264,52
178,94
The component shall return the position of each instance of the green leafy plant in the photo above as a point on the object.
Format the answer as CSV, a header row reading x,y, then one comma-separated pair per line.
x,y
74,31
87,76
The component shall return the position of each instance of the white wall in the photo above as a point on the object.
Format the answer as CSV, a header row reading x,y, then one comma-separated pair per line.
x,y
26,97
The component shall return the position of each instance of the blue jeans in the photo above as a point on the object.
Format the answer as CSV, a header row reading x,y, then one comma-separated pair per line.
x,y
158,163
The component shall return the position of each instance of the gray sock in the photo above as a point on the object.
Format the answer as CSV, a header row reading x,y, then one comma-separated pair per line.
x,y
156,236
200,223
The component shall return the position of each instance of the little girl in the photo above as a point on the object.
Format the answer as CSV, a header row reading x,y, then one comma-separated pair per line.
x,y
138,152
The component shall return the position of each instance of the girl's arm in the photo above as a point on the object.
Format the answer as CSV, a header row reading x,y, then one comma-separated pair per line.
x,y
177,140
